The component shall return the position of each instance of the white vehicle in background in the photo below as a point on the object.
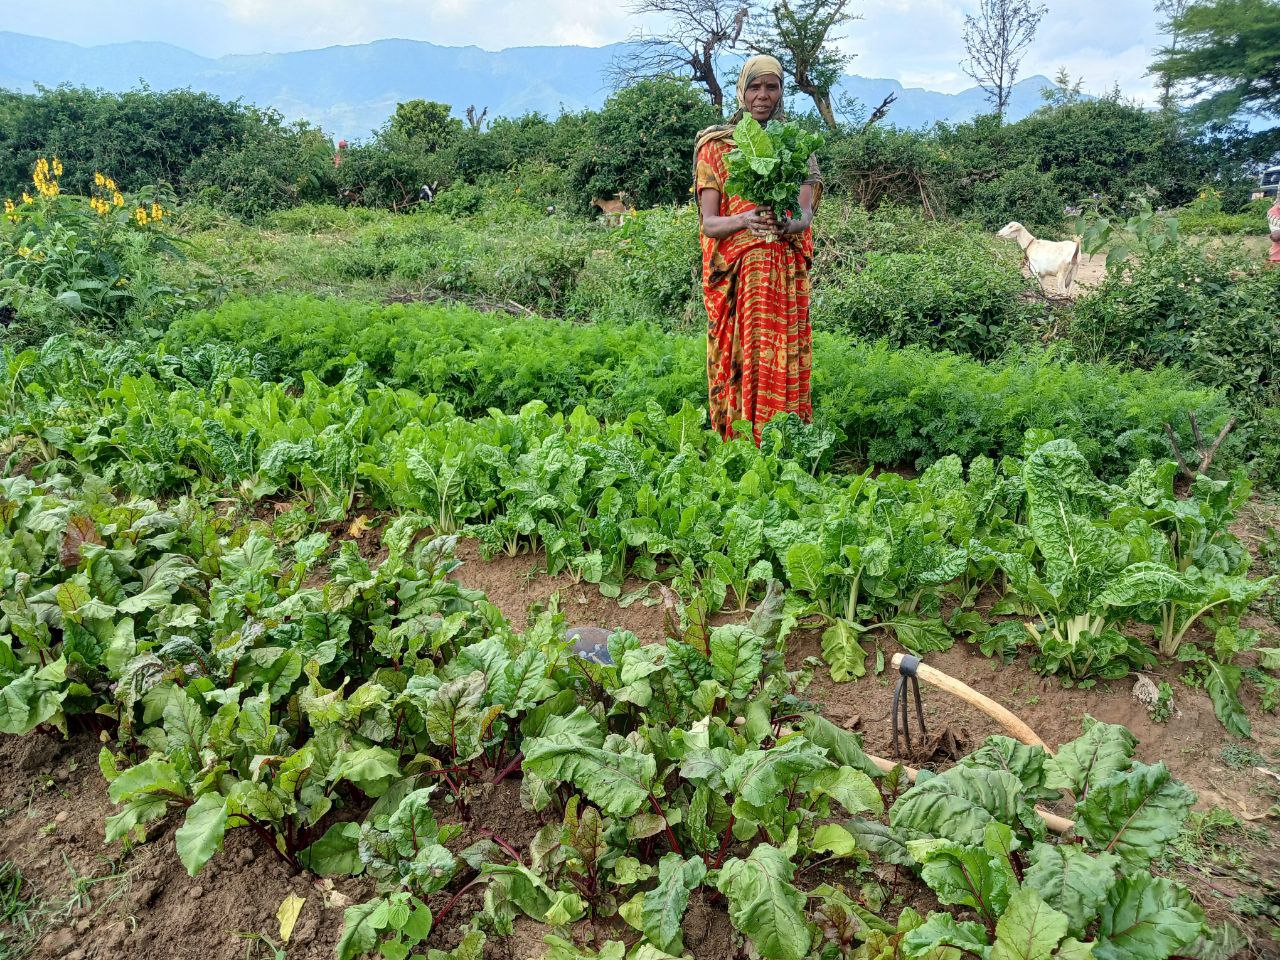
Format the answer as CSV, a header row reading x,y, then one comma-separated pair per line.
x,y
1268,184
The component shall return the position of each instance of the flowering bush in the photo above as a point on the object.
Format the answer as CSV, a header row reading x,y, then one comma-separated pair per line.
x,y
87,260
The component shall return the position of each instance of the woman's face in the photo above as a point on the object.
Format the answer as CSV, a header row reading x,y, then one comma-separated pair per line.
x,y
763,94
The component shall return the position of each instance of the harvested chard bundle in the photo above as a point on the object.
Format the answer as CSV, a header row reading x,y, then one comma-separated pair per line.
x,y
769,163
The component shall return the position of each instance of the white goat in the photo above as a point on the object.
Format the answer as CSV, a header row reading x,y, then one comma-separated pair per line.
x,y
1046,258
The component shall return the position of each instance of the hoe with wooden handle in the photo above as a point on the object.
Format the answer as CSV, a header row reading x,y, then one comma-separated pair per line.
x,y
1000,714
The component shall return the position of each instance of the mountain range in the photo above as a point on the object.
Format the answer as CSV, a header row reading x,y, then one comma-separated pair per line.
x,y
349,91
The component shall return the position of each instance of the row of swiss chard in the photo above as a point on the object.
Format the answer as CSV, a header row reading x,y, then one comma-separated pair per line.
x,y
343,723
886,406
1076,563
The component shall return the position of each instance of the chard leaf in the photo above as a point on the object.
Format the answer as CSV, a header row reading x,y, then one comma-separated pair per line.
x,y
736,659
965,876
200,835
943,930
880,841
617,777
1025,762
960,803
1029,929
1072,881
664,905
761,776
1102,750
27,702
454,718
845,656
336,854
843,747
1134,814
1223,687
1148,917
804,567
359,932
852,789
764,905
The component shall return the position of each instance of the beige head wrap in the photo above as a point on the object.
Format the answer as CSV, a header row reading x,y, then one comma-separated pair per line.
x,y
758,66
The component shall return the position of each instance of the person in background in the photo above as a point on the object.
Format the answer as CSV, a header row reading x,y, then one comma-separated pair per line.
x,y
1273,222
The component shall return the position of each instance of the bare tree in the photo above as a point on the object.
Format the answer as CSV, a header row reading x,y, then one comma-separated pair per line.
x,y
996,40
1171,11
800,34
476,120
698,31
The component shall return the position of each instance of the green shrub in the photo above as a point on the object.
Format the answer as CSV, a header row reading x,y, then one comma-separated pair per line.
x,y
1206,216
143,137
1211,312
272,167
648,269
641,142
892,406
937,284
1024,194
964,301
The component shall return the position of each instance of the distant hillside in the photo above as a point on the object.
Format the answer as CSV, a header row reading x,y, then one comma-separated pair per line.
x,y
351,90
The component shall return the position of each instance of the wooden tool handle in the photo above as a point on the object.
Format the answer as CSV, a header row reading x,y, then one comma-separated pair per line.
x,y
1051,820
936,678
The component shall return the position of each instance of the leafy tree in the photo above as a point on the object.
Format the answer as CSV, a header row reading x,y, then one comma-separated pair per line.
x,y
1230,51
698,33
1063,90
641,142
1170,10
995,41
425,124
799,34
138,138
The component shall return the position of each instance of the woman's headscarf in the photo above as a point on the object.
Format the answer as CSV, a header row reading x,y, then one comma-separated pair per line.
x,y
761,65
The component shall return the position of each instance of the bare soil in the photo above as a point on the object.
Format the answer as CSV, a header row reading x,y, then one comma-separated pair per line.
x,y
97,902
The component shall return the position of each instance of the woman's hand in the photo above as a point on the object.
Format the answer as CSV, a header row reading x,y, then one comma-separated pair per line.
x,y
794,225
761,223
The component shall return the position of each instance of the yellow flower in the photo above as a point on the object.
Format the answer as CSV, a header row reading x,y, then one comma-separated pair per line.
x,y
8,205
111,185
141,216
97,177
57,167
24,252
157,211
118,199
27,198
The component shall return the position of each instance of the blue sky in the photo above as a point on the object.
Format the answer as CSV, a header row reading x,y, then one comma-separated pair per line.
x,y
915,41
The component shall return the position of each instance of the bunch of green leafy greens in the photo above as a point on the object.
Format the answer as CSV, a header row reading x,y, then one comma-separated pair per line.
x,y
769,163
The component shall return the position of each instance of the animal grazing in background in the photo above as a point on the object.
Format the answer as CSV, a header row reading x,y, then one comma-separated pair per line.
x,y
615,210
1046,258
428,191
551,209
350,196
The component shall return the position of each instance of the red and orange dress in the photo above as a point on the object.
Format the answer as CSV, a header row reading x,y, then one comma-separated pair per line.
x,y
759,342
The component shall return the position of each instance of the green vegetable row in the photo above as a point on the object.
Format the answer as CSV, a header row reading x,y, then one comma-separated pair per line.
x,y
240,697
886,406
1084,571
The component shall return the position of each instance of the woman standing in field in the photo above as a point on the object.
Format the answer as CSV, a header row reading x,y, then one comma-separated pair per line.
x,y
755,275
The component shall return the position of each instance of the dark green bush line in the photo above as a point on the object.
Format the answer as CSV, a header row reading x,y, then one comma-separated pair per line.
x,y
1215,313
893,406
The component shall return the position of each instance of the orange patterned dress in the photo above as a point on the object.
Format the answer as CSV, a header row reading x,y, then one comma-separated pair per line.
x,y
759,342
